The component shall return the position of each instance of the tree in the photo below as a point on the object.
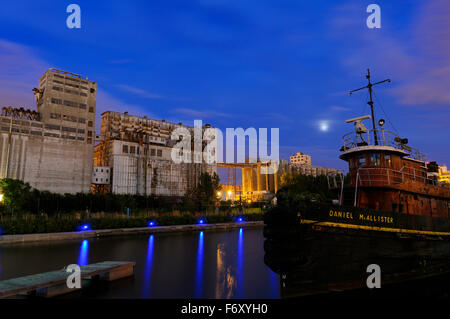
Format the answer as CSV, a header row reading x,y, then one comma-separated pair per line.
x,y
15,193
204,194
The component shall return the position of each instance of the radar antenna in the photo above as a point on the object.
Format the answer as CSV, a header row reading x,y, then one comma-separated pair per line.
x,y
369,86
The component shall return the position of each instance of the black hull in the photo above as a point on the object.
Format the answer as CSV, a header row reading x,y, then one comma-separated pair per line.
x,y
316,252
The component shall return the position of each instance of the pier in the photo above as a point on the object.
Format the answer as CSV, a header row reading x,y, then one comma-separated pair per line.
x,y
54,283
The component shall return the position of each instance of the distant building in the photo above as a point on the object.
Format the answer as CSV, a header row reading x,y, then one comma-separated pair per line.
x,y
52,149
300,159
444,174
313,170
301,163
138,151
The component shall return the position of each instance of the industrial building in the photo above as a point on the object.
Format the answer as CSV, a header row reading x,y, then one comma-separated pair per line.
x,y
52,148
138,152
257,185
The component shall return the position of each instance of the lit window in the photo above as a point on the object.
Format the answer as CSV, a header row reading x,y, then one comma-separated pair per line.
x,y
387,160
361,160
375,159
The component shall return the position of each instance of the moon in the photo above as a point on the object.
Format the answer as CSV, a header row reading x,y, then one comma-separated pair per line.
x,y
324,126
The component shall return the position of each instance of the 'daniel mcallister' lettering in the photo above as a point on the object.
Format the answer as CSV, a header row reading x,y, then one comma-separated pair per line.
x,y
371,218
339,214
377,218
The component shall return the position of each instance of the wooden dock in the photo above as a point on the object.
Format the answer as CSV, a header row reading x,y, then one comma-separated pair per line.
x,y
54,283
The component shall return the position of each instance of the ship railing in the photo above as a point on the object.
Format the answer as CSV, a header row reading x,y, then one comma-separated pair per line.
x,y
379,176
379,137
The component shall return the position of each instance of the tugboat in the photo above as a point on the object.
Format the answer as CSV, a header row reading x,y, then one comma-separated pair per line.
x,y
394,212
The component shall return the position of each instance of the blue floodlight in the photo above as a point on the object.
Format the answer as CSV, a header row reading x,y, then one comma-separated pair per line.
x,y
151,223
201,221
240,219
84,227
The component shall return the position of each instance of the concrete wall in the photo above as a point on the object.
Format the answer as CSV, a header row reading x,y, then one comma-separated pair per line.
x,y
47,163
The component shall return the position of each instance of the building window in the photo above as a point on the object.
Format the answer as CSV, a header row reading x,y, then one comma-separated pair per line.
x,y
387,160
70,103
159,153
56,101
90,133
90,123
361,160
375,159
132,149
152,152
91,109
125,149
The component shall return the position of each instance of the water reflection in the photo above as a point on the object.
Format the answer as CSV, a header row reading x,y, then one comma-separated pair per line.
x,y
148,267
240,264
222,264
83,255
199,270
225,281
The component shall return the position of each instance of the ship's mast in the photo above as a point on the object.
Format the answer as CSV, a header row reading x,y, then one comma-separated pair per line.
x,y
369,86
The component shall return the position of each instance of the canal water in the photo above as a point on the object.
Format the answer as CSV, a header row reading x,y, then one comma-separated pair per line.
x,y
204,264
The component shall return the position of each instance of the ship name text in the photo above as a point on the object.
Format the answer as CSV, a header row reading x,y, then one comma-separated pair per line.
x,y
363,217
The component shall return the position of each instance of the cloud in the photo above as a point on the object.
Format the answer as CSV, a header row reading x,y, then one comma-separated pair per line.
x,y
139,92
146,94
20,73
339,109
200,114
418,59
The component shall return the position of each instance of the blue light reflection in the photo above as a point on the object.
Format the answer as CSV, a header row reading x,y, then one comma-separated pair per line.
x,y
199,270
83,256
240,265
148,267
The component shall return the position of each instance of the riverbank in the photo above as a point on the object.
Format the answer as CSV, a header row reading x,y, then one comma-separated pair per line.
x,y
62,236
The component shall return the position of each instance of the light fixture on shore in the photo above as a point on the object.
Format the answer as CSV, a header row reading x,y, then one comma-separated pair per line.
x,y
84,227
1,198
151,223
201,221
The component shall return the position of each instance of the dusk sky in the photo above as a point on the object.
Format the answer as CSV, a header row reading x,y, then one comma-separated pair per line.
x,y
235,63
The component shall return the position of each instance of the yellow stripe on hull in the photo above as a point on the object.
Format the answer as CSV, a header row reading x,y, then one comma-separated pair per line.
x,y
375,228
